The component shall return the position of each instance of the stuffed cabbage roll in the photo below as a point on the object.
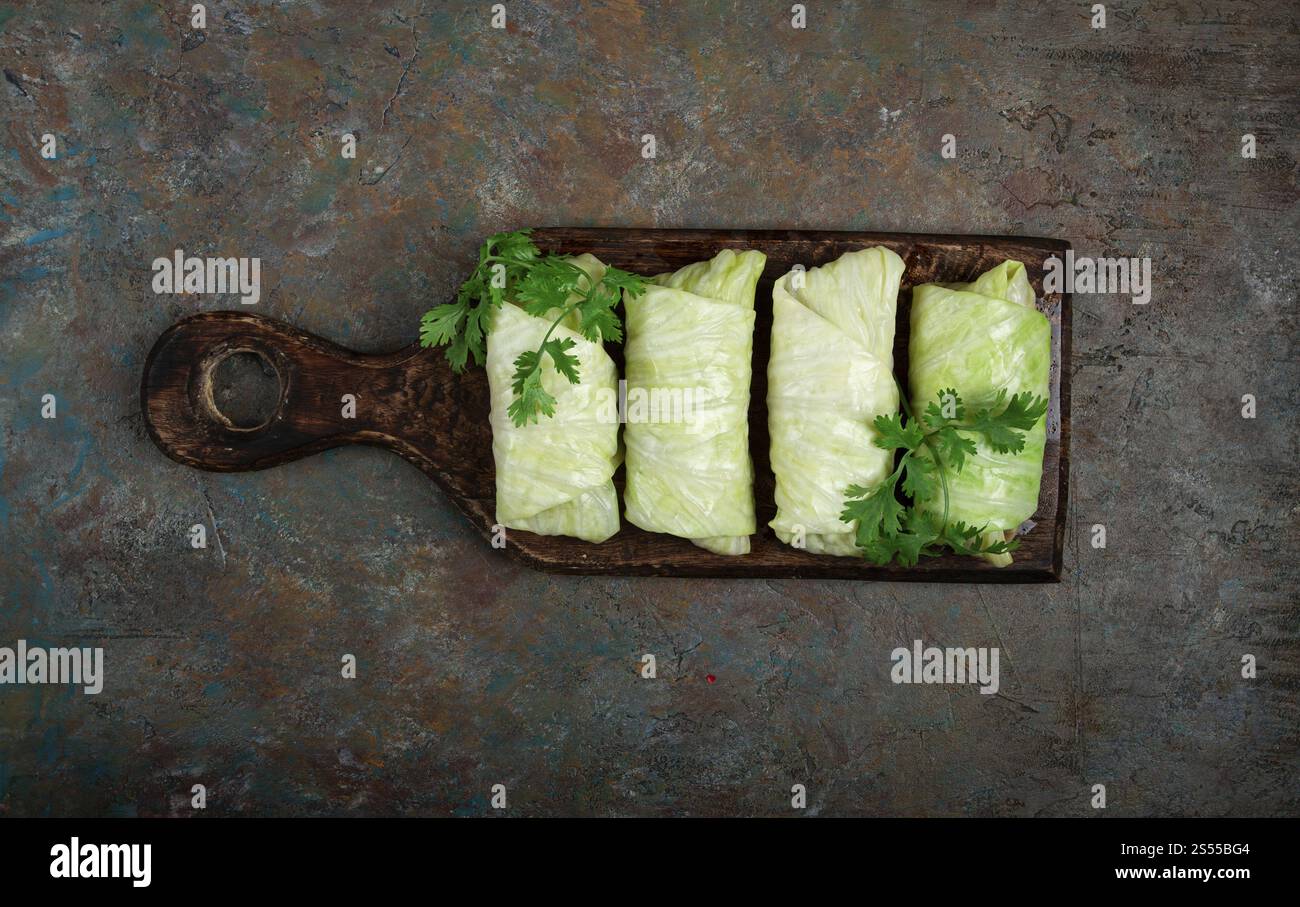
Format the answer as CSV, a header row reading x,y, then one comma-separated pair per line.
x,y
980,339
687,364
554,475
830,374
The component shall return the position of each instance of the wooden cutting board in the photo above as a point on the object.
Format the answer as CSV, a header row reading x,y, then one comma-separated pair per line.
x,y
410,402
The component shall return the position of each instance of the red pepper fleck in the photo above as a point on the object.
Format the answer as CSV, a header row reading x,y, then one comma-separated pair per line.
x,y
710,678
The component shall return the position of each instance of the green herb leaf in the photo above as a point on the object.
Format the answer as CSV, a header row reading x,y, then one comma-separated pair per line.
x,y
565,363
953,447
969,540
548,285
1002,426
915,541
876,510
530,396
462,325
441,323
893,433
510,267
624,281
949,408
514,247
886,529
598,321
919,478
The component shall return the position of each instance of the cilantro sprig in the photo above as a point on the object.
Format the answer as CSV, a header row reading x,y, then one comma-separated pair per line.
x,y
888,529
510,266
503,259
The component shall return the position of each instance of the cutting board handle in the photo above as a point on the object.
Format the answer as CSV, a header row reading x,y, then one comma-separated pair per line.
x,y
311,412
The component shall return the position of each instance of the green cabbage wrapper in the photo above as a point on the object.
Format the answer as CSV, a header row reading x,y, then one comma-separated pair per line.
x,y
554,475
690,336
830,374
978,339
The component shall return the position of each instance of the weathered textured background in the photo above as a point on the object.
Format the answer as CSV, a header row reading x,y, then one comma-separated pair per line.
x,y
223,664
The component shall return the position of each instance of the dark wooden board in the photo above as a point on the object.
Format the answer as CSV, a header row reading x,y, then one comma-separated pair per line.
x,y
410,401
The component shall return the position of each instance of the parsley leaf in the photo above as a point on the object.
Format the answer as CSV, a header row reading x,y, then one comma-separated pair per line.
x,y
440,324
596,311
949,408
462,325
953,447
893,433
972,540
877,513
547,289
916,541
510,267
565,363
548,285
530,395
919,479
886,529
1003,426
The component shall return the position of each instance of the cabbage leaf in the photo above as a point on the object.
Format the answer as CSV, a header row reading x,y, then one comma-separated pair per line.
x,y
554,477
687,364
983,338
829,375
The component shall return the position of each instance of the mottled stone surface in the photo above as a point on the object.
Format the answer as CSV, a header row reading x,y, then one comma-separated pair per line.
x,y
223,663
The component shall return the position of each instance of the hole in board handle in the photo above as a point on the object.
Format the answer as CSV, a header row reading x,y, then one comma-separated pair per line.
x,y
241,388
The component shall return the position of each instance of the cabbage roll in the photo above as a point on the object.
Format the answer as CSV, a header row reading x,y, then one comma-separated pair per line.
x,y
980,339
830,374
687,363
554,476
